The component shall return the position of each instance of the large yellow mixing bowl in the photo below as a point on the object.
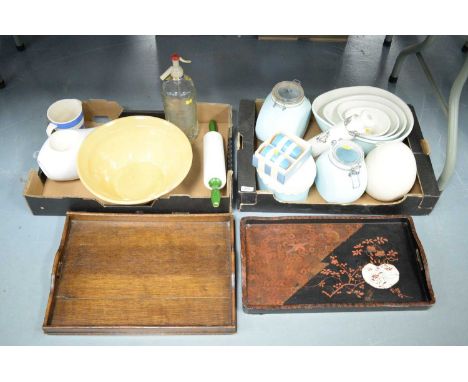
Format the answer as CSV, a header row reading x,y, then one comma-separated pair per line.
x,y
134,160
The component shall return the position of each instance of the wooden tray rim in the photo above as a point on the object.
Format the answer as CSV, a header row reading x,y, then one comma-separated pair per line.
x,y
54,329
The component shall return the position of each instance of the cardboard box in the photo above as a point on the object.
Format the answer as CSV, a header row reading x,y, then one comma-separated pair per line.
x,y
47,197
419,201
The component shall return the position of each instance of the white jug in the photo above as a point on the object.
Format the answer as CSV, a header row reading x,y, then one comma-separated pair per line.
x,y
57,157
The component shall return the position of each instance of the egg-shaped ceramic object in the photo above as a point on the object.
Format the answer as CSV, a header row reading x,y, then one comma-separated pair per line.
x,y
391,171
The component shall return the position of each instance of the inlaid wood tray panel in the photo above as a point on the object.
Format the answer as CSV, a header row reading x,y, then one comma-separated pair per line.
x,y
121,273
315,264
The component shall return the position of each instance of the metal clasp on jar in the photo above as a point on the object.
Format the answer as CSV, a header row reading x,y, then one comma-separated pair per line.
x,y
354,175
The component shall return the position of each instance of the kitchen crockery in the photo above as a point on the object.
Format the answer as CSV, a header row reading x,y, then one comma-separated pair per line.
x,y
280,156
391,169
65,114
285,110
356,106
347,129
296,188
382,121
379,103
341,173
58,155
134,160
214,163
362,91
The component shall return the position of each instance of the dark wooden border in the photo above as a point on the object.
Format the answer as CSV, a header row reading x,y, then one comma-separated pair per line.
x,y
332,307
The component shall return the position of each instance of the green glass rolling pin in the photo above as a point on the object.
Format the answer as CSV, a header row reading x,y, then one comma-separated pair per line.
x,y
214,164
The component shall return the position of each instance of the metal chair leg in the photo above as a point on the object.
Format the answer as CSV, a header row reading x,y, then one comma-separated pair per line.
x,y
416,48
465,47
388,40
2,83
19,44
452,137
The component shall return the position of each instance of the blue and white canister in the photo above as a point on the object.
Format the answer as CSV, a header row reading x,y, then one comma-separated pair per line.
x,y
341,173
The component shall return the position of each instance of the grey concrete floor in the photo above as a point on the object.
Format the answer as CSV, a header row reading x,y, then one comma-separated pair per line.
x,y
225,69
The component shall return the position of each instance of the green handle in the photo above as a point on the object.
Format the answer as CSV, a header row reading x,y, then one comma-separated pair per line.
x,y
215,184
213,126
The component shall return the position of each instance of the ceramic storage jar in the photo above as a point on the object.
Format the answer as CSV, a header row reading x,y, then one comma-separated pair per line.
x,y
341,173
285,110
296,188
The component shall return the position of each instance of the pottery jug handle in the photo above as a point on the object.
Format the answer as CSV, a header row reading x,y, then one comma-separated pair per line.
x,y
50,129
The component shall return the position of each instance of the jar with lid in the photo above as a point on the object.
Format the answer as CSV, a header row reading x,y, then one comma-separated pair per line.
x,y
341,173
285,110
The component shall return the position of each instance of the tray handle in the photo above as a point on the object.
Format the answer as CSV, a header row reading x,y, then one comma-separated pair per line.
x,y
426,148
239,141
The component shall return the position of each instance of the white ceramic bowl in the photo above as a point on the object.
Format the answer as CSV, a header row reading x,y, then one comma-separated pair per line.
x,y
363,91
356,106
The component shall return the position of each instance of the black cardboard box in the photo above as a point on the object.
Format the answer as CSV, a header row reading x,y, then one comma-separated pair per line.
x,y
47,197
419,201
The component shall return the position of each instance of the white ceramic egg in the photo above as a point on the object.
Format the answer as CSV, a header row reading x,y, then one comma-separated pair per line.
x,y
391,171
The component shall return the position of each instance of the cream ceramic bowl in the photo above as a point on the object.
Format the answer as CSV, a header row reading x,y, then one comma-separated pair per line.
x,y
134,160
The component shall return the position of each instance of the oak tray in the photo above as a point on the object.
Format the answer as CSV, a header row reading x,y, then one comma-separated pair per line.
x,y
143,274
294,264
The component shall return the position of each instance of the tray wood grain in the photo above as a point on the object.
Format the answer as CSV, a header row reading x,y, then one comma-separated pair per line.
x,y
127,273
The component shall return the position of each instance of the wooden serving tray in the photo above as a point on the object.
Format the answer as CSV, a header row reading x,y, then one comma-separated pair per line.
x,y
292,264
143,274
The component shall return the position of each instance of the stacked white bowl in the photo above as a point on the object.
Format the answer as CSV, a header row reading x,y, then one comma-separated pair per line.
x,y
394,120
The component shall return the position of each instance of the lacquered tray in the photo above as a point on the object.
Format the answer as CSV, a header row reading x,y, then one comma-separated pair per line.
x,y
292,264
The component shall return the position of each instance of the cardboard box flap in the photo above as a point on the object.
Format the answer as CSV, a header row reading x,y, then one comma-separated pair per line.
x,y
98,111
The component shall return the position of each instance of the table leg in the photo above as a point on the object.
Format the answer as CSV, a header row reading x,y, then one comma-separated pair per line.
x,y
19,44
416,48
452,134
388,40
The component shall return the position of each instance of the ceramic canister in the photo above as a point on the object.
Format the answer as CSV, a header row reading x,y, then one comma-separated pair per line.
x,y
341,173
296,188
285,110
